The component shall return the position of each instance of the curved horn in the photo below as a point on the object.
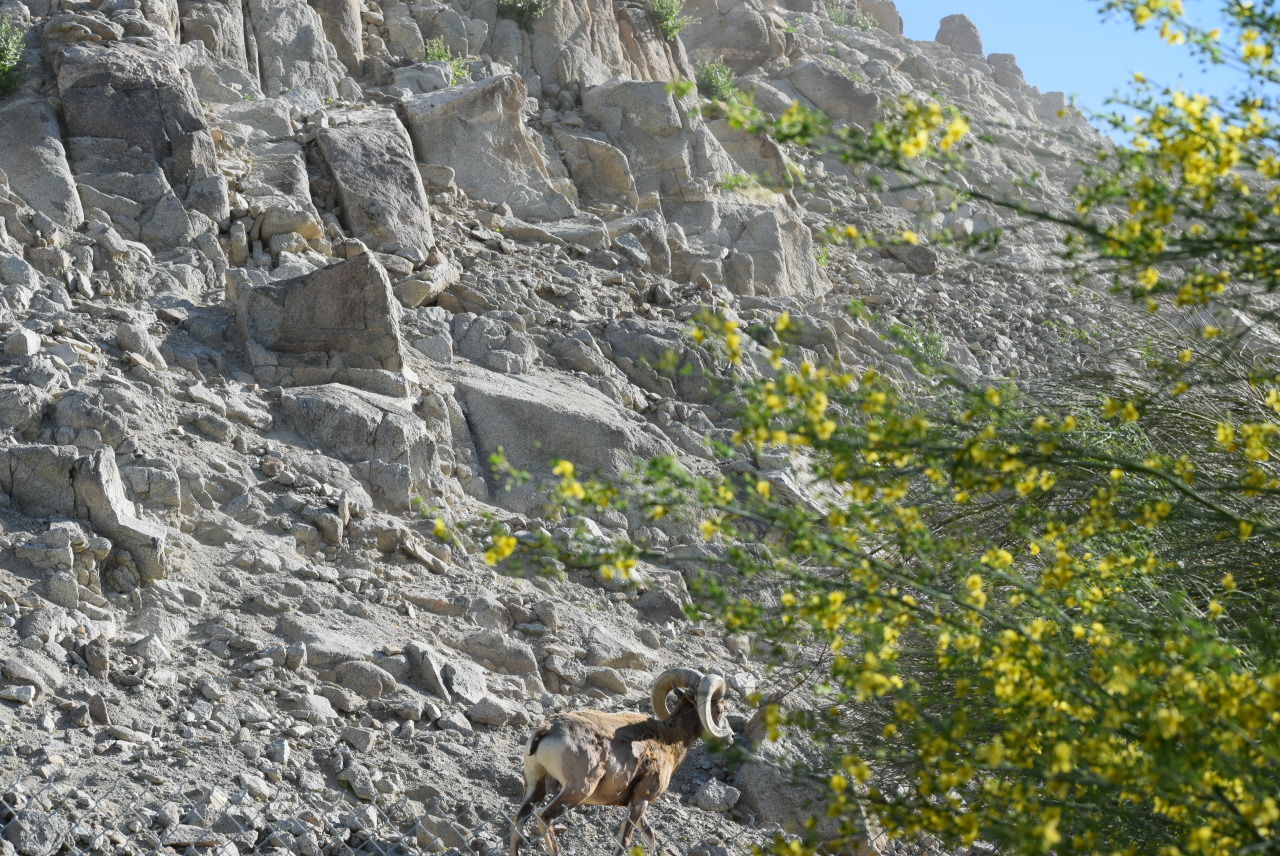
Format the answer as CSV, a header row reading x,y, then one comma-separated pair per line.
x,y
710,688
666,682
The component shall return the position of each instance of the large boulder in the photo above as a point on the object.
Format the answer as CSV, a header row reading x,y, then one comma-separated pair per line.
x,y
581,43
454,125
670,150
341,19
1006,71
32,156
293,53
885,14
599,170
394,446
744,36
49,481
538,418
338,324
776,789
961,35
836,95
279,191
772,250
126,92
127,183
220,26
377,180
22,407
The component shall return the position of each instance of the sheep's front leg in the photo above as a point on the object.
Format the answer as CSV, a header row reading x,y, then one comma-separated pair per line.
x,y
631,823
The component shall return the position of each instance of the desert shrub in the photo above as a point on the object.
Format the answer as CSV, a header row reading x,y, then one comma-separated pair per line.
x,y
437,51
668,16
844,16
716,81
11,41
523,12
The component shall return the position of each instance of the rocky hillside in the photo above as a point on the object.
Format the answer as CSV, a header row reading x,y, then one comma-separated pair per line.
x,y
272,283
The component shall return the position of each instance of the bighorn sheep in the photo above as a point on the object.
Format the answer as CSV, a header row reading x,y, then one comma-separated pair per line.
x,y
623,759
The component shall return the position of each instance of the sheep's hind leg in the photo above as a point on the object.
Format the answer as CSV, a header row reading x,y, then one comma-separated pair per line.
x,y
563,801
533,795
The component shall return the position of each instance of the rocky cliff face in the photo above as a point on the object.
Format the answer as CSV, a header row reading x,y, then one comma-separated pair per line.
x,y
268,280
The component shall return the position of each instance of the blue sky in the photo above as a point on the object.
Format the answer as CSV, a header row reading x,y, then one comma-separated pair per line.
x,y
1066,45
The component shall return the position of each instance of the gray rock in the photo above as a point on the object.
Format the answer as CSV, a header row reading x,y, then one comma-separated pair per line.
x,y
501,653
377,182
537,418
885,14
715,795
44,481
660,605
22,343
493,343
37,833
839,97
599,169
493,711
140,96
21,673
960,34
293,53
608,646
32,156
428,665
219,26
361,426
313,708
608,679
362,739
62,589
22,408
454,721
360,780
339,323
774,793
365,679
21,694
341,20
919,260
451,125
464,680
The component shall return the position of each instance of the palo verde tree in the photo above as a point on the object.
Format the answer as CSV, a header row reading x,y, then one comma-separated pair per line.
x,y
1047,615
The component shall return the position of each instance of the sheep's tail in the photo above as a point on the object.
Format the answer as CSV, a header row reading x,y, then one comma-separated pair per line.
x,y
540,731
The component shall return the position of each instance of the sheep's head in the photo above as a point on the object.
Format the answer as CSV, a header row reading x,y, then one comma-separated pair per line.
x,y
706,693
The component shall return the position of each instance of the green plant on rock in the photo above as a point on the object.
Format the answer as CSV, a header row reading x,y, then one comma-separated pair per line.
x,y
843,16
436,50
668,16
11,39
523,12
716,81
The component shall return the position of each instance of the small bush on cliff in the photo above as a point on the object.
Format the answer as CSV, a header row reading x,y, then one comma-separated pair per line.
x,y
437,51
668,16
10,57
716,81
523,12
